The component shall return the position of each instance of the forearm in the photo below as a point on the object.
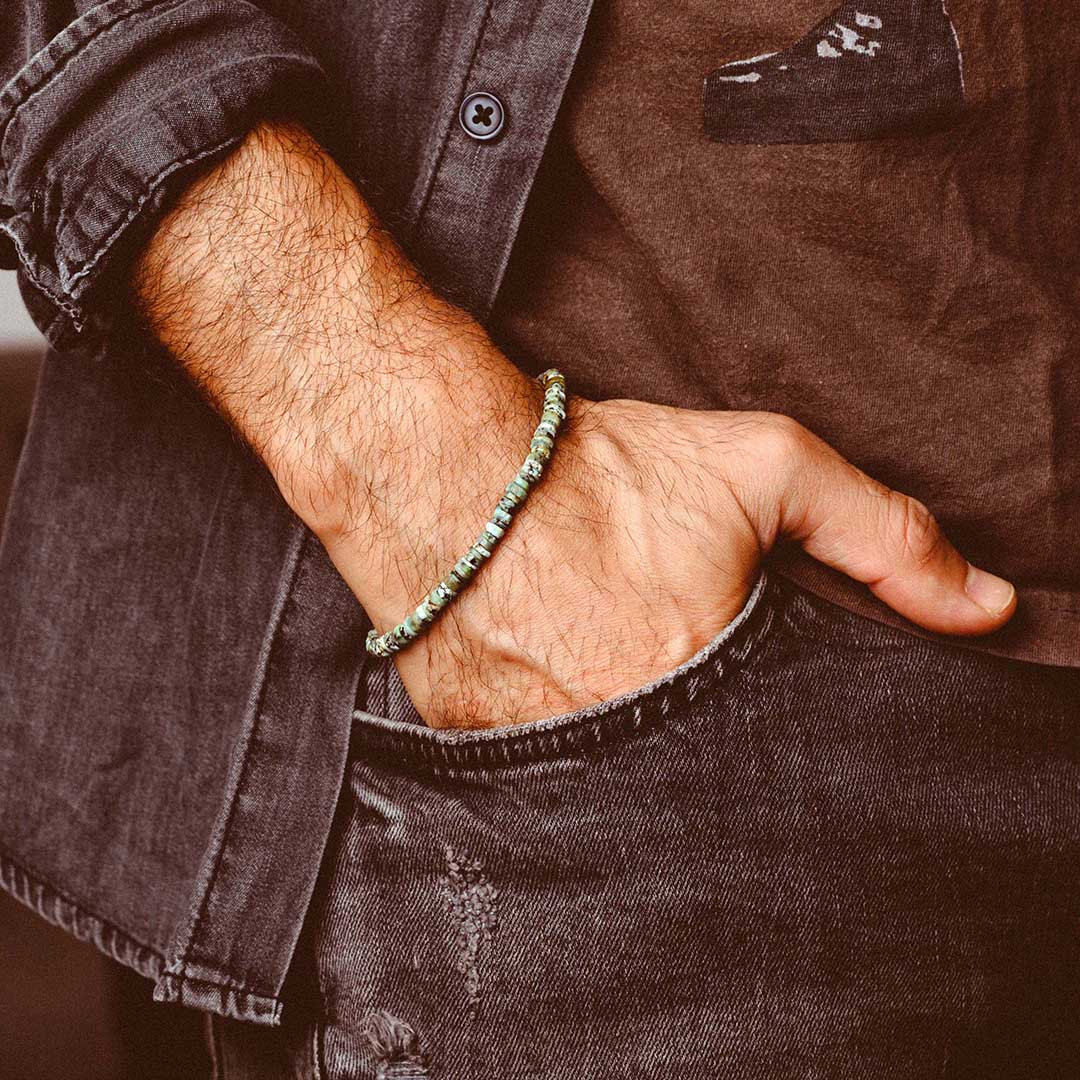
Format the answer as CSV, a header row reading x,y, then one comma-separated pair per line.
x,y
380,410
391,425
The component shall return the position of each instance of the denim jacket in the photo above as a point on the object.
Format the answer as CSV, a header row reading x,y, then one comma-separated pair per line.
x,y
178,658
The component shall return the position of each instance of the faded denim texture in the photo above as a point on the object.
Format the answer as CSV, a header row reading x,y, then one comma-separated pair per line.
x,y
821,847
178,659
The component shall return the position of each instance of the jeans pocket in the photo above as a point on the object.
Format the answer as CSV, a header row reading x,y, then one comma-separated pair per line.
x,y
565,733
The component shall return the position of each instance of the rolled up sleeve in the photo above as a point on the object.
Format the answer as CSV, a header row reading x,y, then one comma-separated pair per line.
x,y
102,115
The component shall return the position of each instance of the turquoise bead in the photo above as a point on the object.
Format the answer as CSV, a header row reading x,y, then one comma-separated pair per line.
x,y
541,448
532,469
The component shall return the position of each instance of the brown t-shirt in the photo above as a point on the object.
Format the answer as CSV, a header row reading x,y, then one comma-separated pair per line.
x,y
864,217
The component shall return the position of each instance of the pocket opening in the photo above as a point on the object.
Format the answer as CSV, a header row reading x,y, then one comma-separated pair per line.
x,y
634,711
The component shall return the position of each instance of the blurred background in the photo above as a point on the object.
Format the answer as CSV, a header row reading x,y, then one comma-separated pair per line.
x,y
67,1012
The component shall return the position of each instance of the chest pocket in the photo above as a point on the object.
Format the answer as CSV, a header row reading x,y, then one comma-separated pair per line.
x,y
872,69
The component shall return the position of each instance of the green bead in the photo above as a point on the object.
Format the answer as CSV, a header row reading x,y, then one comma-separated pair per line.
x,y
532,469
540,451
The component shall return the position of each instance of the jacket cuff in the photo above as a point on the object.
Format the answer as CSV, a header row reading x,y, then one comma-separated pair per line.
x,y
101,127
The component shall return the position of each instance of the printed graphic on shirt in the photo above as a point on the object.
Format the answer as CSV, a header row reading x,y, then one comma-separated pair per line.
x,y
871,69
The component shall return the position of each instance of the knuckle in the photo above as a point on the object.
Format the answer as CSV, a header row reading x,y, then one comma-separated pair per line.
x,y
783,439
918,533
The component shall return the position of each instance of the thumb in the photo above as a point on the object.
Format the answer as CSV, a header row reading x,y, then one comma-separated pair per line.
x,y
886,539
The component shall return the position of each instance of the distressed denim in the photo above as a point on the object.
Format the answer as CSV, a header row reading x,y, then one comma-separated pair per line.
x,y
179,660
819,848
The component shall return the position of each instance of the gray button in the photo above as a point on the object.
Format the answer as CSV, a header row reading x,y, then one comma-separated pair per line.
x,y
482,115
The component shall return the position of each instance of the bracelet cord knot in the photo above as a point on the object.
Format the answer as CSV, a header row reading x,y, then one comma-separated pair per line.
x,y
513,498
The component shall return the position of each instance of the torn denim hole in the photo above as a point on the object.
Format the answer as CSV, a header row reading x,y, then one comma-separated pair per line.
x,y
870,69
470,900
396,1047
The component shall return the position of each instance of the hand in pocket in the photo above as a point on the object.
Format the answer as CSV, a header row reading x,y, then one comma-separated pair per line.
x,y
646,543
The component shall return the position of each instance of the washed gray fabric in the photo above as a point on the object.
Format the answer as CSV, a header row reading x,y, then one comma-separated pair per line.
x,y
820,848
178,659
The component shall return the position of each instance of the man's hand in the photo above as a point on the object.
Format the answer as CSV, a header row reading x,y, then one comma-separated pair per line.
x,y
391,425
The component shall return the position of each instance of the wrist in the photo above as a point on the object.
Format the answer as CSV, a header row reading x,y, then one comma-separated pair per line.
x,y
396,514
567,512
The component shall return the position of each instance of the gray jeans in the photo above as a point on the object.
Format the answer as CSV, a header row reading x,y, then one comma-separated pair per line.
x,y
820,848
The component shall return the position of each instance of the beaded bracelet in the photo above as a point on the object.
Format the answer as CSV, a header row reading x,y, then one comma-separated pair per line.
x,y
540,449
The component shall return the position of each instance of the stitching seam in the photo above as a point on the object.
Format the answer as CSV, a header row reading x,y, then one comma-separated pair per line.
x,y
31,267
11,870
76,31
178,968
421,210
67,279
